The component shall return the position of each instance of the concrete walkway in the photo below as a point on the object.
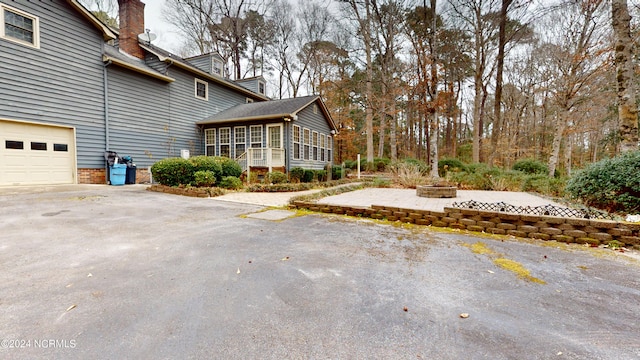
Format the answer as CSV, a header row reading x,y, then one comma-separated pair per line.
x,y
402,198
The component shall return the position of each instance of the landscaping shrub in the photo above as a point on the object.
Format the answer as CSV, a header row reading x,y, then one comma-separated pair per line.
x,y
543,184
351,164
531,166
173,171
204,178
230,182
296,174
276,177
229,166
611,184
207,163
409,174
321,175
337,172
308,175
422,166
381,182
446,165
380,164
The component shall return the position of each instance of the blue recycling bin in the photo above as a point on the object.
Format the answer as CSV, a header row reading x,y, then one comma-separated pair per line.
x,y
117,174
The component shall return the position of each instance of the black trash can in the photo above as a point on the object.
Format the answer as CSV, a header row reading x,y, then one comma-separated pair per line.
x,y
131,174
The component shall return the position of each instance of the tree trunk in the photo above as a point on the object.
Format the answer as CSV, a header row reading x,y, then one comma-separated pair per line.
x,y
433,136
627,109
555,147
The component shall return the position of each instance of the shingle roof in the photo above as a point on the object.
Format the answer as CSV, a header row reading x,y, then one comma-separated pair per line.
x,y
261,110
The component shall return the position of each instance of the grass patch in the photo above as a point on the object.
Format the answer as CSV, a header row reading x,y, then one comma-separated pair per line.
x,y
517,268
329,192
506,264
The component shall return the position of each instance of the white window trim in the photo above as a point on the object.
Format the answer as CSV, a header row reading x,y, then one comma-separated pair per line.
x,y
307,143
206,89
315,138
235,139
264,87
315,108
323,142
249,100
225,143
207,144
215,61
251,142
36,27
300,153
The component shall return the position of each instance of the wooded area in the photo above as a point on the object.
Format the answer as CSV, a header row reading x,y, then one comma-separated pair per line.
x,y
488,81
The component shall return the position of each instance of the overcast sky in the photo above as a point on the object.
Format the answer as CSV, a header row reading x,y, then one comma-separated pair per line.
x,y
167,36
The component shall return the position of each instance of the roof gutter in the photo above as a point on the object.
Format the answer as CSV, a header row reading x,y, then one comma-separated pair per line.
x,y
129,66
286,117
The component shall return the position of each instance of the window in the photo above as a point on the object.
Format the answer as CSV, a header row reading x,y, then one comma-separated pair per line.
x,y
60,147
329,147
225,142
296,142
256,136
202,88
210,142
19,27
307,143
216,66
40,146
315,108
315,145
240,137
323,145
11,144
261,87
249,100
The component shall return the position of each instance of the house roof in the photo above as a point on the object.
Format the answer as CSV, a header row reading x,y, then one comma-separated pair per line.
x,y
274,109
170,58
114,55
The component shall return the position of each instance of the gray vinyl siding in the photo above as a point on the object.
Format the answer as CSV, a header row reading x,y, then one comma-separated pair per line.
x,y
314,122
59,83
203,63
138,121
151,119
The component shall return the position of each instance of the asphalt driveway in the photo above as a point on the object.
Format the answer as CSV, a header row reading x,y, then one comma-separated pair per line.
x,y
122,273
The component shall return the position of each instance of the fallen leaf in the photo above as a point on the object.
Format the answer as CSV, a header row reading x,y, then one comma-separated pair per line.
x,y
559,352
545,256
70,285
90,275
285,258
71,307
490,272
464,315
405,309
249,261
238,271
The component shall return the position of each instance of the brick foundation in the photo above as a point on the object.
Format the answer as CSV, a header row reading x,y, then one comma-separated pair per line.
x,y
92,176
98,176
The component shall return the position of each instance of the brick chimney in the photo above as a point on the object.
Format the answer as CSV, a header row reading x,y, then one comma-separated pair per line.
x,y
131,13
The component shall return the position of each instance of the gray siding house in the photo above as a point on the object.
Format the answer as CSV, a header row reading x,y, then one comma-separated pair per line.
x,y
277,134
71,88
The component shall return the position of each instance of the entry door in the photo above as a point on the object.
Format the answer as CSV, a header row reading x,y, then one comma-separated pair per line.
x,y
274,136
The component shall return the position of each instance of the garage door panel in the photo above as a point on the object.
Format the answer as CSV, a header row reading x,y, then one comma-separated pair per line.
x,y
30,154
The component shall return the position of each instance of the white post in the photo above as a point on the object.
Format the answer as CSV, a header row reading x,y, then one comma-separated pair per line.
x,y
248,157
269,158
358,166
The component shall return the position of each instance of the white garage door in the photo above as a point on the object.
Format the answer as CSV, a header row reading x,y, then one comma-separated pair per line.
x,y
33,154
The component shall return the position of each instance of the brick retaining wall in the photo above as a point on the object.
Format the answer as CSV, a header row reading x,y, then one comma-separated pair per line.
x,y
568,230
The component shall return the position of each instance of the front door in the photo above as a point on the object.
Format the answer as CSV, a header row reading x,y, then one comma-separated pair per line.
x,y
274,136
